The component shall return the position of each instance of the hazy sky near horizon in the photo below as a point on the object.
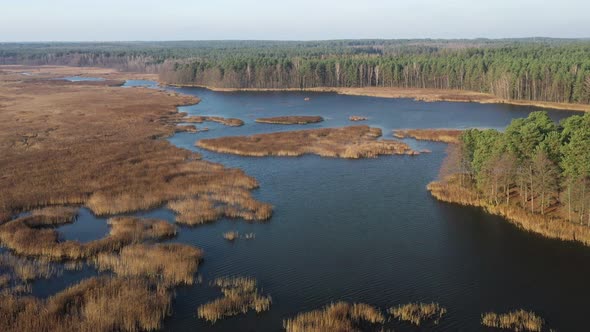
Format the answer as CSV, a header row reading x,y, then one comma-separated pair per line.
x,y
108,20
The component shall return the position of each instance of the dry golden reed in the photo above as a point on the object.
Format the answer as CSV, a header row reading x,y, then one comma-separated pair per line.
x,y
518,320
340,316
169,264
349,142
27,236
231,122
96,304
416,313
436,135
231,235
291,119
240,295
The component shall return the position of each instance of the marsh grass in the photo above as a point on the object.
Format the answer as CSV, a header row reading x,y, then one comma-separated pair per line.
x,y
416,313
436,135
209,207
290,120
340,316
231,236
31,238
518,320
231,122
240,295
355,118
27,269
96,304
349,142
168,264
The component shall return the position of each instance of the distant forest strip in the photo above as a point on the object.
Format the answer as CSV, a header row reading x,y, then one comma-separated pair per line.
x,y
542,69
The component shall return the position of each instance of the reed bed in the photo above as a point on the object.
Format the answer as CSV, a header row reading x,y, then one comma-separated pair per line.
x,y
416,313
111,163
436,135
231,236
291,119
518,320
349,142
449,190
186,129
26,269
19,236
356,118
96,304
240,295
340,316
169,264
231,122
209,207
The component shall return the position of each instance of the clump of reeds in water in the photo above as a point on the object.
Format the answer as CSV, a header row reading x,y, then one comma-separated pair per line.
x,y
95,304
416,313
231,235
231,122
208,207
436,135
352,142
518,320
291,119
168,264
357,118
240,295
340,316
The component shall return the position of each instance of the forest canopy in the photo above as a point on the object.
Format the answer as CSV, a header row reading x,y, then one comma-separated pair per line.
x,y
540,69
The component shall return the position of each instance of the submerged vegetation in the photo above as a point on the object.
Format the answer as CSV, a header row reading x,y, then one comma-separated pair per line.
x,y
240,295
518,320
349,142
340,316
436,135
536,174
416,313
292,119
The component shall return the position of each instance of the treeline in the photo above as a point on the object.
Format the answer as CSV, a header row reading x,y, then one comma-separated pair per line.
x,y
541,166
555,70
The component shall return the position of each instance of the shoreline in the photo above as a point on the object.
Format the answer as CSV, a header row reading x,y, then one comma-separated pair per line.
x,y
417,94
543,225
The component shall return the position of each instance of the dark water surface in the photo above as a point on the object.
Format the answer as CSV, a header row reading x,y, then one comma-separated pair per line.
x,y
367,230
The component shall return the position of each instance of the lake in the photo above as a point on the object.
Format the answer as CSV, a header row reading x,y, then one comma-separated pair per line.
x,y
363,230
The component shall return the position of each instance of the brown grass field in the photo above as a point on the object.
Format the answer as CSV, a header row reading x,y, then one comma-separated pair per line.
x,y
93,145
340,316
349,142
518,320
416,313
290,120
436,135
240,295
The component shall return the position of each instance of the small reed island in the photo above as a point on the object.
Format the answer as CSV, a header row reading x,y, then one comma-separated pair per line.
x,y
355,118
290,120
352,142
230,122
435,135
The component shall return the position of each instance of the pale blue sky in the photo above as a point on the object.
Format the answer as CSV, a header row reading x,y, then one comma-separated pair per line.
x,y
107,20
